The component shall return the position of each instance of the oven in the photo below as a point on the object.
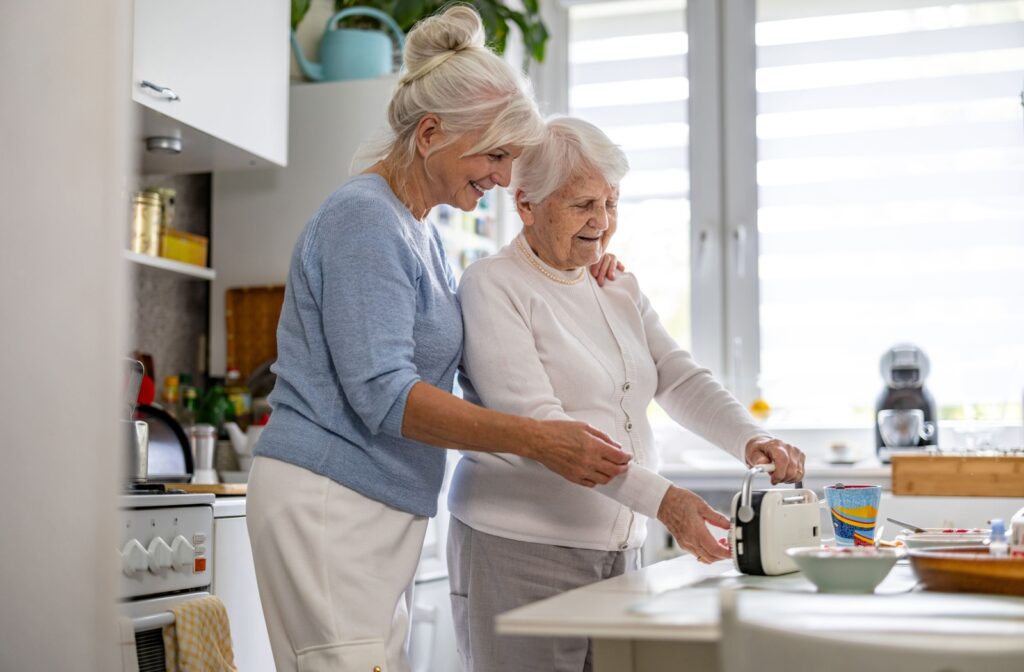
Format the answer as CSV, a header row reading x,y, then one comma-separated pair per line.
x,y
166,555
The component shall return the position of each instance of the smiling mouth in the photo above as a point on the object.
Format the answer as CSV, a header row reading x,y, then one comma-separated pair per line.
x,y
476,185
589,239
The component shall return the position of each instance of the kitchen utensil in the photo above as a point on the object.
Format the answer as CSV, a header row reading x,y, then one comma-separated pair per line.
x,y
854,510
907,526
765,523
967,569
134,371
904,428
349,53
138,451
844,570
243,442
170,455
204,442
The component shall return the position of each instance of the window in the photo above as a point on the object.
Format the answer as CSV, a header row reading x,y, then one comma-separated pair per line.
x,y
890,175
627,74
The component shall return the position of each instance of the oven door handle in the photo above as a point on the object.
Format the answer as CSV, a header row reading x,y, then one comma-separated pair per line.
x,y
153,622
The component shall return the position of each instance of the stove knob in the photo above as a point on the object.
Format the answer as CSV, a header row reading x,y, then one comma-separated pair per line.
x,y
159,556
182,554
134,558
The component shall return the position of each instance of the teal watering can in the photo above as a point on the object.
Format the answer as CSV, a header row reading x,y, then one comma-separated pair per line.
x,y
350,53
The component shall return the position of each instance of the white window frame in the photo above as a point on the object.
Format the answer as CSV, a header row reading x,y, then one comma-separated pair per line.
x,y
723,177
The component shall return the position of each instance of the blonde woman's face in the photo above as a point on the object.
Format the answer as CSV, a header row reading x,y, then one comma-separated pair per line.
x,y
461,181
571,228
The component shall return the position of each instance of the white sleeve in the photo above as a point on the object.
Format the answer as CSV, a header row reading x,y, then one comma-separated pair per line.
x,y
690,395
500,359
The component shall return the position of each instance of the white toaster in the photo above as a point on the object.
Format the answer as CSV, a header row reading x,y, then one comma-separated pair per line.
x,y
766,523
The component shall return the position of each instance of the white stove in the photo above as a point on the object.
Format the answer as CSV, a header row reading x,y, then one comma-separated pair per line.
x,y
166,555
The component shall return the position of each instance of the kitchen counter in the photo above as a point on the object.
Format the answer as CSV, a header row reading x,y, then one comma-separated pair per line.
x,y
651,619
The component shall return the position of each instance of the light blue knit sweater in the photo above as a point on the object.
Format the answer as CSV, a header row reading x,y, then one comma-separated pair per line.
x,y
369,309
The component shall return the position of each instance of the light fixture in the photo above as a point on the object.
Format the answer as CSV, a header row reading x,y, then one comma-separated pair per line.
x,y
162,144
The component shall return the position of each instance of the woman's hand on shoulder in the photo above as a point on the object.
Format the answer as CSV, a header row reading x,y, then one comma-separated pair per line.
x,y
606,268
788,460
686,516
577,452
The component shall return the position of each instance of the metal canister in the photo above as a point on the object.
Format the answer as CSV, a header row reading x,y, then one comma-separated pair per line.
x,y
146,218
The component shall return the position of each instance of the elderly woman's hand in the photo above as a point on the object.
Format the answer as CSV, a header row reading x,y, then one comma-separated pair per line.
x,y
606,268
685,515
788,460
578,452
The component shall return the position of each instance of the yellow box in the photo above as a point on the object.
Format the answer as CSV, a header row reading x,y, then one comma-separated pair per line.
x,y
183,246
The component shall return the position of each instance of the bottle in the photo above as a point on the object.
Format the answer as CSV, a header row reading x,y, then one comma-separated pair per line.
x,y
189,406
997,539
1017,534
170,396
239,396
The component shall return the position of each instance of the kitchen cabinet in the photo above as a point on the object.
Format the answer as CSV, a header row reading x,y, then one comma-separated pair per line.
x,y
234,582
222,68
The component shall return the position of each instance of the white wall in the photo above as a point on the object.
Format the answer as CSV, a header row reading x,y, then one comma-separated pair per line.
x,y
63,132
257,215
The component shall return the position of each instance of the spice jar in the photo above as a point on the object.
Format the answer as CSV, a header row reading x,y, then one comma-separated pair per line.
x,y
146,216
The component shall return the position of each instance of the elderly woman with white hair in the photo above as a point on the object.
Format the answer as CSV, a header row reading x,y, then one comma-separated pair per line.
x,y
543,340
348,470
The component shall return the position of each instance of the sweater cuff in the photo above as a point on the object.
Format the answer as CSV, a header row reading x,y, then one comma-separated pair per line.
x,y
392,423
654,487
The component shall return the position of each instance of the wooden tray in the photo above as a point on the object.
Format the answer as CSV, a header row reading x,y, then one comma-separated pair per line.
x,y
958,475
238,489
968,569
251,315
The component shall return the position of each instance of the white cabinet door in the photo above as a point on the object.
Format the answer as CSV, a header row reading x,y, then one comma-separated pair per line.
x,y
227,62
234,582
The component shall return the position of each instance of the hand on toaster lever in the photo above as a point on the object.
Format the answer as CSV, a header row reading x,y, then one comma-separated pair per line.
x,y
685,515
788,460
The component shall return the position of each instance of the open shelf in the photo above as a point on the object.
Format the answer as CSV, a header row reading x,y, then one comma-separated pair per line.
x,y
170,265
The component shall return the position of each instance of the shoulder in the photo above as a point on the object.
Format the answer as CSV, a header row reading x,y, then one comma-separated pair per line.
x,y
361,216
496,273
624,285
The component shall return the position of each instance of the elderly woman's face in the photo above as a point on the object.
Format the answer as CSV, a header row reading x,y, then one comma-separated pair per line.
x,y
571,227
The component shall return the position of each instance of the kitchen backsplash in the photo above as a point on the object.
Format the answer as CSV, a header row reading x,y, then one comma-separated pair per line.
x,y
170,313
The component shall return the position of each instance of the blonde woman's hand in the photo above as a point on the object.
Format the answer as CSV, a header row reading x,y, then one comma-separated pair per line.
x,y
788,460
685,515
606,267
578,452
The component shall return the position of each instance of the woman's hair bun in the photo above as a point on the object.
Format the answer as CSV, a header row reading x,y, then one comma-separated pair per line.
x,y
456,28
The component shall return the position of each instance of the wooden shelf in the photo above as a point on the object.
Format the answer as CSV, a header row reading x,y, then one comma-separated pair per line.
x,y
170,265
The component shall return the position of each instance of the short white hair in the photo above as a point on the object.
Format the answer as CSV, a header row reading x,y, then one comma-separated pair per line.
x,y
571,147
448,71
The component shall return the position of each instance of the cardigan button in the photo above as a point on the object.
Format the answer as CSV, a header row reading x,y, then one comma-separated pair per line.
x,y
626,386
629,426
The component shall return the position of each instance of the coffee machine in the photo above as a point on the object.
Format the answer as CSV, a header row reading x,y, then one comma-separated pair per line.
x,y
905,410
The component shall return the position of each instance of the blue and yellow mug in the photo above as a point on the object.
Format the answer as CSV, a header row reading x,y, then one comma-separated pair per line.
x,y
854,510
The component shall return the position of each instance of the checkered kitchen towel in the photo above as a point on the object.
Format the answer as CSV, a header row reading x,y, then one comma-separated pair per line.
x,y
199,640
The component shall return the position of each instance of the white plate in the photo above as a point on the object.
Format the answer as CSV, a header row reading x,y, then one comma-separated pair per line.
x,y
934,537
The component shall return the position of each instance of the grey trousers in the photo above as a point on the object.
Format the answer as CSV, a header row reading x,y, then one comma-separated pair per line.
x,y
491,575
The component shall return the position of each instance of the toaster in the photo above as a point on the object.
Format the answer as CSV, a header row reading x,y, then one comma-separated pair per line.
x,y
766,523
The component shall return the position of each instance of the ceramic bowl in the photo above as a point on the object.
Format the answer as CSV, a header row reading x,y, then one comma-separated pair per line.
x,y
854,569
934,537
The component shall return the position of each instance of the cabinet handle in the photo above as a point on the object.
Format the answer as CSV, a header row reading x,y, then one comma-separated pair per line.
x,y
162,90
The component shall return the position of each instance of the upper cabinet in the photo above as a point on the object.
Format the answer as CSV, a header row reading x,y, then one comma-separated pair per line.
x,y
217,81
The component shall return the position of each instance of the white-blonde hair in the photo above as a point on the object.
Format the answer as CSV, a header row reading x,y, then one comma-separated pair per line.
x,y
449,72
571,147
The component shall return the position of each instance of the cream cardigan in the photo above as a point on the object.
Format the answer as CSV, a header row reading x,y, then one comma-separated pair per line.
x,y
547,350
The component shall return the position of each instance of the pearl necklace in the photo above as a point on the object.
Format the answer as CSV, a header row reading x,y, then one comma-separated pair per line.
x,y
536,264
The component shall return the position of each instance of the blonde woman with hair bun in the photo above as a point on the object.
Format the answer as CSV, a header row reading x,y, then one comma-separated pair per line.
x,y
350,466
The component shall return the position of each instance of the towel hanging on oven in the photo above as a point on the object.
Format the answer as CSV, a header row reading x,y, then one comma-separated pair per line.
x,y
200,637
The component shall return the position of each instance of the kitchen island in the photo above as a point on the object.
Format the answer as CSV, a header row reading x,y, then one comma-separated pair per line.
x,y
654,619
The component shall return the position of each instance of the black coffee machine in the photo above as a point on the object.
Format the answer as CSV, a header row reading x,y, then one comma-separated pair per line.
x,y
904,368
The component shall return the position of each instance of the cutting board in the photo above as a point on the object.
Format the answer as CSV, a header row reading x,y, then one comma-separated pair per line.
x,y
212,488
958,475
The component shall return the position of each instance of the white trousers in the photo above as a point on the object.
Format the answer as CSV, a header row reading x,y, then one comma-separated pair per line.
x,y
335,571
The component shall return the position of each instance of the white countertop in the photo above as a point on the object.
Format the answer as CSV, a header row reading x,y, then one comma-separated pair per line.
x,y
678,600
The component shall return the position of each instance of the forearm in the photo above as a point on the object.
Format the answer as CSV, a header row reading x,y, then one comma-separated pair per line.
x,y
441,419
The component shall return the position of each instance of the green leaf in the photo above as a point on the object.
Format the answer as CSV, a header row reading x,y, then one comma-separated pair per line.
x,y
299,10
408,12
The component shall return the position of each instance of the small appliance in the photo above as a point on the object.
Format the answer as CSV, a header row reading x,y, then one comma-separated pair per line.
x,y
767,523
904,368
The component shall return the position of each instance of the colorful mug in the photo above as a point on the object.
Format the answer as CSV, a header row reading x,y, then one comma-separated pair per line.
x,y
854,510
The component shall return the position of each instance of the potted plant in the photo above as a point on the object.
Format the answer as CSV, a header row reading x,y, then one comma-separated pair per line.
x,y
497,18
